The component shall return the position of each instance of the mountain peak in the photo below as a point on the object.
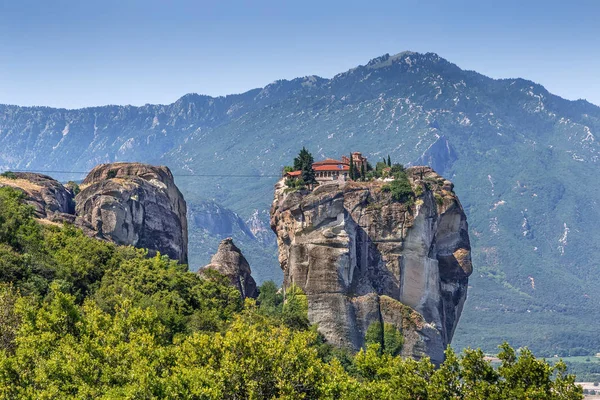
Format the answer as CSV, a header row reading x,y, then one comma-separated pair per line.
x,y
405,57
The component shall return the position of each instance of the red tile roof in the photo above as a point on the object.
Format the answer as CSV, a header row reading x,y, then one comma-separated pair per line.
x,y
327,161
336,167
326,165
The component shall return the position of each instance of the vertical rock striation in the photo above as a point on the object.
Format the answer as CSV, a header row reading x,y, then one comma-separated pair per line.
x,y
134,204
361,258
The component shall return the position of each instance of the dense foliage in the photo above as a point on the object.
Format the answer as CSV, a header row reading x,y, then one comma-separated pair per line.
x,y
83,319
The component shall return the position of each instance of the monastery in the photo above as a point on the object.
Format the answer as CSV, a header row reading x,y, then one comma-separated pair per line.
x,y
332,170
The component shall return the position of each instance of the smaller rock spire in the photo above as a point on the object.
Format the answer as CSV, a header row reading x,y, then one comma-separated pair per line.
x,y
229,261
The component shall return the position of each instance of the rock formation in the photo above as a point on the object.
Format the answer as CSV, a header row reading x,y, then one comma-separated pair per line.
x,y
134,204
229,261
49,198
361,257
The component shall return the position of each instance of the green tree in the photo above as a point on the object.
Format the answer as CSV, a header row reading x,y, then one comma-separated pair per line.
x,y
400,188
183,301
8,175
18,229
270,299
386,336
9,320
304,163
389,161
362,172
295,308
398,169
374,335
351,169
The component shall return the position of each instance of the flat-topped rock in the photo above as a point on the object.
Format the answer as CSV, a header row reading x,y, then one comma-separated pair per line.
x,y
362,257
134,204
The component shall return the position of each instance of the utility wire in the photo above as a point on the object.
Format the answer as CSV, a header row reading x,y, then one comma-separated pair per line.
x,y
175,175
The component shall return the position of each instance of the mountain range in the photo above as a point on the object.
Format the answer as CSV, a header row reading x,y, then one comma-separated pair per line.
x,y
524,163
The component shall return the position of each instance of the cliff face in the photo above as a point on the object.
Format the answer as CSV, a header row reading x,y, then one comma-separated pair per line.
x,y
361,258
229,261
134,204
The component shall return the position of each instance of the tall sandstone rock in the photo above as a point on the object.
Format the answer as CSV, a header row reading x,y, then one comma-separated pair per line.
x,y
362,258
134,204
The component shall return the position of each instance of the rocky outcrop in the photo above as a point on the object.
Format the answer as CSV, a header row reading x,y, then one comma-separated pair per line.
x,y
134,204
361,257
49,198
229,261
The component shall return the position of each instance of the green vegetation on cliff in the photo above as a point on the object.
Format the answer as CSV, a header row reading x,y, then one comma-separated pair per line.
x,y
84,319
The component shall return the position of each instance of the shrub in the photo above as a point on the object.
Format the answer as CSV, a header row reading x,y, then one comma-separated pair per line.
x,y
380,166
73,187
438,199
397,168
270,299
400,188
9,175
295,184
386,336
295,308
418,190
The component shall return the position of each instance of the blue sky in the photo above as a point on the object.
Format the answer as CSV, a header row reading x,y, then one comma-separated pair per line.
x,y
81,53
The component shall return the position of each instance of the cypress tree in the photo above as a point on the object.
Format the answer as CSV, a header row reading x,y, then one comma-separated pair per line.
x,y
362,172
304,163
389,163
352,177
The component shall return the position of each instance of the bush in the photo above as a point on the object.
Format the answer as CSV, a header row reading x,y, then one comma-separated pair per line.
x,y
9,175
388,338
270,299
295,184
18,229
400,188
418,190
397,168
295,308
73,187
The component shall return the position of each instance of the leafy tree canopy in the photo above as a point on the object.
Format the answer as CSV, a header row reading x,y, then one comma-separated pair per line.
x,y
84,319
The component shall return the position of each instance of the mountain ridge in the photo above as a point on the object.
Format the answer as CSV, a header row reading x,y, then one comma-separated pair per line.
x,y
373,63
